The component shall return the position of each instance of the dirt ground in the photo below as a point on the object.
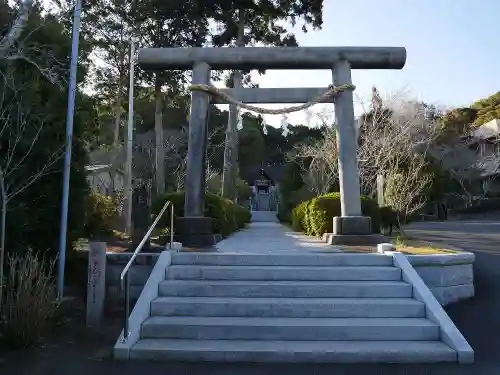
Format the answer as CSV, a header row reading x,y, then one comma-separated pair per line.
x,y
68,340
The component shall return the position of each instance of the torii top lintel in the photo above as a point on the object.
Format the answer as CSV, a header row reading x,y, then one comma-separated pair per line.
x,y
227,58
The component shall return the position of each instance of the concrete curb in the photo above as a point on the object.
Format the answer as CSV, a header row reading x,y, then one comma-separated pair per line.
x,y
142,308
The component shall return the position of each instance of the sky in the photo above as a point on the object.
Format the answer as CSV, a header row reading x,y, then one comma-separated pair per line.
x,y
453,49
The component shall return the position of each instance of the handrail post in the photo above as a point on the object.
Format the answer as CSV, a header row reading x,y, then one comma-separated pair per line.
x,y
171,226
127,307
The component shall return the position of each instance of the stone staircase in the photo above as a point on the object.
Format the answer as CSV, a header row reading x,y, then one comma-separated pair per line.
x,y
287,308
264,217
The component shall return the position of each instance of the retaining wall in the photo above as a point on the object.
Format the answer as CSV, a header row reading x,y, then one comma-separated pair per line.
x,y
139,273
450,277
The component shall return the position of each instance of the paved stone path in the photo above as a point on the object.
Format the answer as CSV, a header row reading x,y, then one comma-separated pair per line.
x,y
268,237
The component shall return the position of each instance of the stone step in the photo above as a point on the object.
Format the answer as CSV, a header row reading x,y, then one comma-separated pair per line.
x,y
293,351
361,273
290,289
282,259
302,329
289,307
264,216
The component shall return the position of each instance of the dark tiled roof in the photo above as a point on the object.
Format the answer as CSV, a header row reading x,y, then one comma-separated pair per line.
x,y
273,171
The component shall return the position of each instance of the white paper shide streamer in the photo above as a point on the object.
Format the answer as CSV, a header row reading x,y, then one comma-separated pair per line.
x,y
239,124
264,126
284,125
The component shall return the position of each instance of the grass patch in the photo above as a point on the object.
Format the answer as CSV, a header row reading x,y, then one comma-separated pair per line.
x,y
408,245
410,249
404,244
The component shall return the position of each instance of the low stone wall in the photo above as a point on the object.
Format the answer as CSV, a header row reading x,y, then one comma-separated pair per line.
x,y
450,277
139,274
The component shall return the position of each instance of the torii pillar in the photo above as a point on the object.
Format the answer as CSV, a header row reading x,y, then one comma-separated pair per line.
x,y
195,230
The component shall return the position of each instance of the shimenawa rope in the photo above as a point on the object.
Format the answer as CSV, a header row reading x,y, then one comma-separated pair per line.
x,y
330,93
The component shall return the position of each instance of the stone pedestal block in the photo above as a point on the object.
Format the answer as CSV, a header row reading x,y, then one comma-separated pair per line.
x,y
195,232
352,225
354,239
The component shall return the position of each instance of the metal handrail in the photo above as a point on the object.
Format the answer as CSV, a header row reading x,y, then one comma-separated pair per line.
x,y
124,276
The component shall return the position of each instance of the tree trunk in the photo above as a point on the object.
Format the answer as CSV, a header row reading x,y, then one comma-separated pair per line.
x,y
400,225
3,195
469,195
160,147
118,117
118,101
230,168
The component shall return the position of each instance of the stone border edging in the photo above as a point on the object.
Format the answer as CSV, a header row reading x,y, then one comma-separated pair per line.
x,y
450,334
441,259
142,308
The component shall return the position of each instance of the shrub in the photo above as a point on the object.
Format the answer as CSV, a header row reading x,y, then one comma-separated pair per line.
x,y
369,207
77,264
388,217
244,190
214,186
321,211
481,206
243,216
316,216
227,216
298,217
291,200
101,215
29,300
226,210
220,210
308,219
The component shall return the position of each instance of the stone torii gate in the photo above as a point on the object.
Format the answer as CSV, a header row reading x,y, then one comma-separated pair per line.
x,y
196,230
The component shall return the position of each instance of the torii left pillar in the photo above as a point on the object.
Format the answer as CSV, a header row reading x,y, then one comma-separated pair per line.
x,y
194,229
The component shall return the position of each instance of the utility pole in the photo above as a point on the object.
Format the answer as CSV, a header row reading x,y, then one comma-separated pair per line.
x,y
69,143
231,146
129,139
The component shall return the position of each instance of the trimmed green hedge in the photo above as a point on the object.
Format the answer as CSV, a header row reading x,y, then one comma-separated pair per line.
x,y
101,214
227,216
315,217
298,216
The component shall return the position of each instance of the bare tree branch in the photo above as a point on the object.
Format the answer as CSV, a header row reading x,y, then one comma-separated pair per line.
x,y
394,138
318,162
17,28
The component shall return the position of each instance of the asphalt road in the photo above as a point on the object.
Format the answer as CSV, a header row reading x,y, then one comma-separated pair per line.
x,y
478,319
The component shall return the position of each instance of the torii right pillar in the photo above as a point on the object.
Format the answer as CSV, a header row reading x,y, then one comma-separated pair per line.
x,y
352,221
351,227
